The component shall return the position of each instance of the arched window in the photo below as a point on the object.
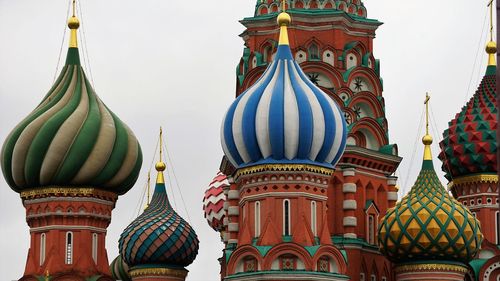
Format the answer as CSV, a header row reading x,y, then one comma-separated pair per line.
x,y
313,218
69,247
95,240
314,52
257,219
286,218
43,240
371,229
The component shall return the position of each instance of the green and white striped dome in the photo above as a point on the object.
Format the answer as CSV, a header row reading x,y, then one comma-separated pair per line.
x,y
71,139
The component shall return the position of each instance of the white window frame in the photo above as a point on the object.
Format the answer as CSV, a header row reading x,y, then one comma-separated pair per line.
x,y
43,243
70,239
314,220
257,218
287,231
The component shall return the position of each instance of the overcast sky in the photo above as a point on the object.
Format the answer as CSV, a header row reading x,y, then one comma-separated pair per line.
x,y
172,64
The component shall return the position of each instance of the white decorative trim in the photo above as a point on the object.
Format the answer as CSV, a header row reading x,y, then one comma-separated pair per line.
x,y
489,270
225,221
233,211
392,181
350,205
257,218
233,227
267,195
72,214
69,246
392,196
350,235
349,188
232,241
233,194
43,243
68,199
349,172
264,276
67,227
350,221
225,205
314,218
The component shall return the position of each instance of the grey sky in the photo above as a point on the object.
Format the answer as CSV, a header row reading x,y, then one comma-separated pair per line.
x,y
172,63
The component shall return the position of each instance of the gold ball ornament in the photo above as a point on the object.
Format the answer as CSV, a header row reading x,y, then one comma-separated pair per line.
x,y
73,23
491,47
160,166
427,140
284,19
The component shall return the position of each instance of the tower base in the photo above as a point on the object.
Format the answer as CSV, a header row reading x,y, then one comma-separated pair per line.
x,y
430,272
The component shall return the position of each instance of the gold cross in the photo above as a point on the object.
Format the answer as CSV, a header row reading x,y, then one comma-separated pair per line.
x,y
427,98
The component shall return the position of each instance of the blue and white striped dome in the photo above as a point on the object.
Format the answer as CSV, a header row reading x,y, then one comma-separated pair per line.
x,y
284,119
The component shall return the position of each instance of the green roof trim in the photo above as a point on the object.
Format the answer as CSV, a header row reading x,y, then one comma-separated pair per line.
x,y
340,240
387,149
491,70
263,250
312,249
476,266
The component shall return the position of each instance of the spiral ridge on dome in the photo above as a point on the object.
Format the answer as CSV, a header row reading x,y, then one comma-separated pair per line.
x,y
71,139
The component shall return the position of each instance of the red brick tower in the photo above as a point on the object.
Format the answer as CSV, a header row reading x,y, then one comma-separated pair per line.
x,y
69,160
333,43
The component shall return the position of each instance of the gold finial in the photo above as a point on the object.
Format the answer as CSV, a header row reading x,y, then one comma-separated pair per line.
x,y
284,21
47,275
491,47
427,139
160,165
73,24
148,190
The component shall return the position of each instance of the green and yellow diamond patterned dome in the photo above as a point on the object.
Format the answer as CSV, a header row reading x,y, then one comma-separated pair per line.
x,y
428,223
71,139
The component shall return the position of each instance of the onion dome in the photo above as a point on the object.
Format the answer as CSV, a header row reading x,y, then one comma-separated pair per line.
x,y
469,145
119,269
159,236
71,138
284,118
428,223
213,202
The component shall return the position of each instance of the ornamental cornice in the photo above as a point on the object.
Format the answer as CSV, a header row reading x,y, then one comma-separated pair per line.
x,y
68,192
474,179
430,267
137,272
283,168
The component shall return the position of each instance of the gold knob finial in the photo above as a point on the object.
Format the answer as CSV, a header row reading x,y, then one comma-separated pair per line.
x,y
491,47
160,165
284,21
427,139
73,24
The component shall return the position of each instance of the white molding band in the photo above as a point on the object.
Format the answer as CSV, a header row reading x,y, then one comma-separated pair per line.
x,y
225,221
233,194
392,196
350,235
233,211
225,205
233,227
392,181
232,241
349,188
350,205
349,172
67,227
350,221
69,199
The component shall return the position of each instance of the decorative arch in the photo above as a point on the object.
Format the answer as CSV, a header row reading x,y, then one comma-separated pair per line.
x,y
335,255
371,100
313,4
329,71
299,4
369,75
240,254
373,132
252,77
274,8
291,249
263,10
328,4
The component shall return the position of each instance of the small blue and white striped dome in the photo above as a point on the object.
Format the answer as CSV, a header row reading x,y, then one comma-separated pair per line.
x,y
284,119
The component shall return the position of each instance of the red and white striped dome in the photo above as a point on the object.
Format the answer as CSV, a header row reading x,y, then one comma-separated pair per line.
x,y
213,202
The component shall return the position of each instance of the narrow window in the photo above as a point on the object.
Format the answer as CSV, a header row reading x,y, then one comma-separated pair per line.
x,y
69,248
314,52
371,229
43,239
94,246
286,217
313,218
497,224
257,219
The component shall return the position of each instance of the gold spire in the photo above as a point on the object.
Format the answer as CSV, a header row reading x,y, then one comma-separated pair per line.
x,y
73,24
160,165
427,139
284,21
491,47
47,278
